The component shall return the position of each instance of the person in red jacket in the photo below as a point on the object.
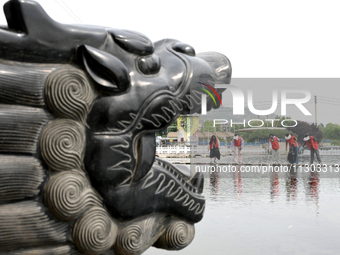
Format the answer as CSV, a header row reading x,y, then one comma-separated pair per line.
x,y
214,146
274,146
313,146
293,147
236,145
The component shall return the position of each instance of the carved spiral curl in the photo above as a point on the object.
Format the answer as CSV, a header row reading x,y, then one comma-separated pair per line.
x,y
62,144
177,236
136,236
131,239
68,195
69,94
94,232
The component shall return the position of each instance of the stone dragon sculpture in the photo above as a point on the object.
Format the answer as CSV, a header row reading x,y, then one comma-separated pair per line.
x,y
79,109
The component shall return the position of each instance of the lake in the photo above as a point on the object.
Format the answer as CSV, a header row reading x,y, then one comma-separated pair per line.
x,y
295,212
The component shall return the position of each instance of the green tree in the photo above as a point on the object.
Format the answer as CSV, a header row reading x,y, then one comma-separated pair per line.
x,y
322,129
171,128
208,126
332,131
245,135
302,128
263,134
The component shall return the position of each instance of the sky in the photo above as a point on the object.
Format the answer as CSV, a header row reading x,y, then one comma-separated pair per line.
x,y
262,39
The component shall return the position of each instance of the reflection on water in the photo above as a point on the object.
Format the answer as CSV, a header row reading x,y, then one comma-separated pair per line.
x,y
281,213
265,159
274,186
238,184
291,186
214,183
313,189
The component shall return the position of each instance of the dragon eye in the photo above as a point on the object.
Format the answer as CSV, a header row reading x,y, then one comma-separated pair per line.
x,y
184,48
149,64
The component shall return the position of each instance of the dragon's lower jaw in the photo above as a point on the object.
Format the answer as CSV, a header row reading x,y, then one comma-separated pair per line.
x,y
154,186
164,189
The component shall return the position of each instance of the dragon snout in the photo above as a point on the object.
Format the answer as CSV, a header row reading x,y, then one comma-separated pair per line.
x,y
220,65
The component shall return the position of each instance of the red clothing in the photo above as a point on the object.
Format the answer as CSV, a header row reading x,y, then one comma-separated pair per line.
x,y
291,141
275,143
238,142
312,142
217,143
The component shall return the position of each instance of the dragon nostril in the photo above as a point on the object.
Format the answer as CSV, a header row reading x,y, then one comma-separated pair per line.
x,y
184,48
149,64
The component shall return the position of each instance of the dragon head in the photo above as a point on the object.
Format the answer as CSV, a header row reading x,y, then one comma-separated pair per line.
x,y
106,92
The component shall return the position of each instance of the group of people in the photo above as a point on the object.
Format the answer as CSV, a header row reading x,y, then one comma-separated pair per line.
x,y
291,140
237,145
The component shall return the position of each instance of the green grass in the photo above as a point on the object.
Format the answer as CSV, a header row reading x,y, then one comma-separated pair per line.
x,y
335,142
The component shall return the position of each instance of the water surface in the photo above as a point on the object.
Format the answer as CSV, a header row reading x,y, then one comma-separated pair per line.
x,y
279,213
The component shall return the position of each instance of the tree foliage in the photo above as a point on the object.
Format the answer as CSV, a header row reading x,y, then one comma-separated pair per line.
x,y
263,134
302,128
331,131
208,126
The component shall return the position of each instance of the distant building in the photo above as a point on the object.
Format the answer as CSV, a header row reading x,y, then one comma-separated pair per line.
x,y
187,129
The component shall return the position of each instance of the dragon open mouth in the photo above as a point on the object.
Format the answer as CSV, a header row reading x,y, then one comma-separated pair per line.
x,y
120,158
